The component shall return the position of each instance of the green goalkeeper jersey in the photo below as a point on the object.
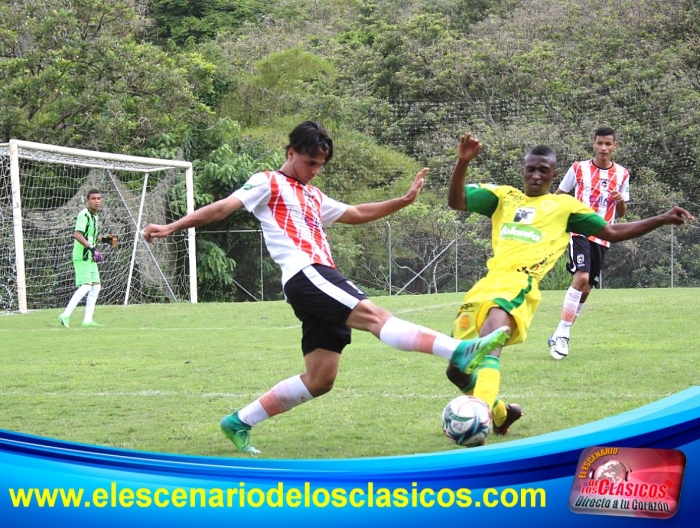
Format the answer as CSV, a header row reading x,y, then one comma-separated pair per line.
x,y
85,223
529,234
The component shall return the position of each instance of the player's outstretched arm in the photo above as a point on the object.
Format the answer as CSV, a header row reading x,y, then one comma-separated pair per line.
x,y
206,215
467,150
368,212
619,232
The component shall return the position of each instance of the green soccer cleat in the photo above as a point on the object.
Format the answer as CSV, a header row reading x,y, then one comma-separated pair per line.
x,y
65,321
470,354
238,432
92,323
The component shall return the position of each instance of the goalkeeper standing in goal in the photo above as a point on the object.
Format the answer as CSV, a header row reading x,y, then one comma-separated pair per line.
x,y
85,259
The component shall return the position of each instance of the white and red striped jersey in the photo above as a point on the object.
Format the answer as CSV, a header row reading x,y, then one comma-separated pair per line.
x,y
292,217
593,185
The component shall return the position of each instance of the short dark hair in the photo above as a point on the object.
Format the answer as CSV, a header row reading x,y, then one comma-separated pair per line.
x,y
91,192
311,138
605,131
542,150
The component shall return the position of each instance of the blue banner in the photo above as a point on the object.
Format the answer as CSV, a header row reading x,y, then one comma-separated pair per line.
x,y
529,482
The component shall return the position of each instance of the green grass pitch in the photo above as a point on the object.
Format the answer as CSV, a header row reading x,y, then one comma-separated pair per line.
x,y
159,377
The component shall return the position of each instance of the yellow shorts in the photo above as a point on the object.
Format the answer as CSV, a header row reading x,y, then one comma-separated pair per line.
x,y
517,293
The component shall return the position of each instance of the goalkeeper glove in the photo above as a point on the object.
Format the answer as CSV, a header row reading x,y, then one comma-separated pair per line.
x,y
96,255
109,239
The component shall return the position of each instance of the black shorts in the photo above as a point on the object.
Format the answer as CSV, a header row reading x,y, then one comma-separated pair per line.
x,y
587,256
322,299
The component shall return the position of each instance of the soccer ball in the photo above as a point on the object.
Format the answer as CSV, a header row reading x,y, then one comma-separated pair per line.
x,y
467,421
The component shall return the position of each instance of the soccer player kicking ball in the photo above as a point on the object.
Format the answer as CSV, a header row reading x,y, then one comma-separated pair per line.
x,y
85,259
293,213
530,232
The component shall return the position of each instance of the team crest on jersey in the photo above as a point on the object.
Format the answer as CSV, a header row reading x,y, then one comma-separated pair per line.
x,y
524,215
548,206
464,321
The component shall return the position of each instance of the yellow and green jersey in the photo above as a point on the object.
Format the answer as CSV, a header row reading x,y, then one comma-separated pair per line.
x,y
86,223
530,233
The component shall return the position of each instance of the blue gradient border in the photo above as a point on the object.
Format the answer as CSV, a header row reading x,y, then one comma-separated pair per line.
x,y
548,462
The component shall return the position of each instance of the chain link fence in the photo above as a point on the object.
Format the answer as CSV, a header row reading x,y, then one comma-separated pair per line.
x,y
439,255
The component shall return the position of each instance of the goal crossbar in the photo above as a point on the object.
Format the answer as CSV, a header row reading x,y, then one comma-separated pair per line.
x,y
146,163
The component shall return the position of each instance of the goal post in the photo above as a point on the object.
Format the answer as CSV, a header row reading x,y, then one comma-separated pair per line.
x,y
42,189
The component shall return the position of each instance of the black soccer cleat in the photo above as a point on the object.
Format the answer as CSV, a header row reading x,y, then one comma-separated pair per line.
x,y
513,413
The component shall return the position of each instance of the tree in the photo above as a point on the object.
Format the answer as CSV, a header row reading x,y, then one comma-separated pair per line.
x,y
180,21
279,86
74,73
222,253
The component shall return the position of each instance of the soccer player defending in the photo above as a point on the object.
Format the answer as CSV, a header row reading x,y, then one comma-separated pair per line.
x,y
293,213
85,259
530,232
602,185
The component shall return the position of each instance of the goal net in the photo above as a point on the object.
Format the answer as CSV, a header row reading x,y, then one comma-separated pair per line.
x,y
44,187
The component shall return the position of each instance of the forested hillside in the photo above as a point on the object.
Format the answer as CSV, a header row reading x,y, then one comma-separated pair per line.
x,y
221,83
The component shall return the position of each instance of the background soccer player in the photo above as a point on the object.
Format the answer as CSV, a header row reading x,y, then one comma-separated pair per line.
x,y
530,231
602,185
85,259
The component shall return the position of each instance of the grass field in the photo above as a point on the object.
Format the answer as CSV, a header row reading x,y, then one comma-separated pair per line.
x,y
159,377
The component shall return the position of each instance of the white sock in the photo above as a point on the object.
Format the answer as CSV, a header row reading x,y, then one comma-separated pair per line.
x,y
284,396
579,309
90,303
403,335
568,312
75,299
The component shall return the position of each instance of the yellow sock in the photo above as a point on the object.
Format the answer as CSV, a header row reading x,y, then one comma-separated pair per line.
x,y
489,381
499,412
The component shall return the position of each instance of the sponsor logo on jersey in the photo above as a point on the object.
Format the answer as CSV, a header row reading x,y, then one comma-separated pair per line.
x,y
522,233
599,203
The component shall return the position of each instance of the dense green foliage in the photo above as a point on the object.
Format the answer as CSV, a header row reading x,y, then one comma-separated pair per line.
x,y
177,21
395,81
77,73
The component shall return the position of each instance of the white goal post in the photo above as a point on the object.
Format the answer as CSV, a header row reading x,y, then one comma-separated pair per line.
x,y
44,187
